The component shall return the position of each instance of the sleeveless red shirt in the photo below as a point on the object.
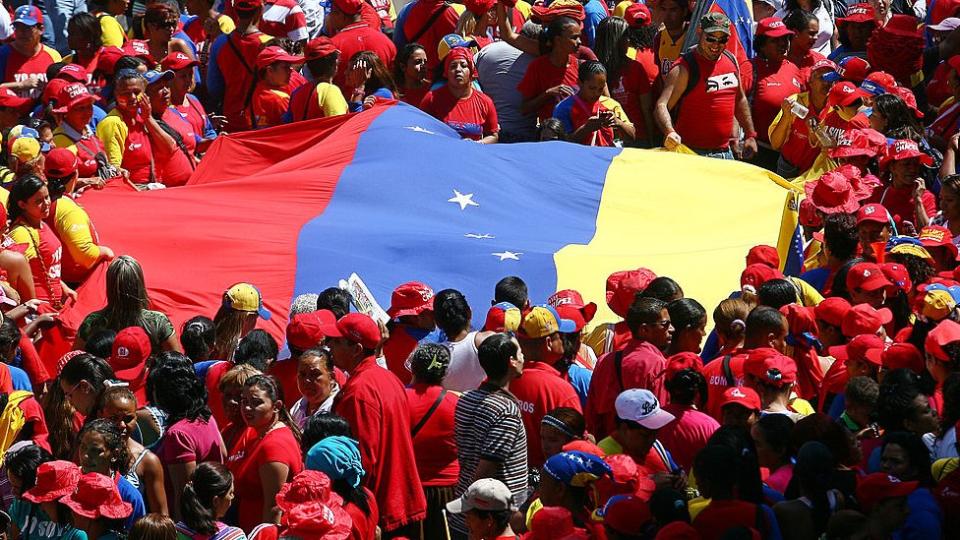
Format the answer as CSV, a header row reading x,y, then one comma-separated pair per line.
x,y
705,116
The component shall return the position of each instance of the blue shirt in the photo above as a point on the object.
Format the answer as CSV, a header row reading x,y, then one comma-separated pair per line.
x,y
595,13
131,495
580,380
925,519
20,379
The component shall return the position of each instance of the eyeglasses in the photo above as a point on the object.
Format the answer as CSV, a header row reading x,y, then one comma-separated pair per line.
x,y
721,41
73,389
168,25
662,324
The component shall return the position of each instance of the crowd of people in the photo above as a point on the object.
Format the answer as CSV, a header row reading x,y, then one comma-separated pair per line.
x,y
818,405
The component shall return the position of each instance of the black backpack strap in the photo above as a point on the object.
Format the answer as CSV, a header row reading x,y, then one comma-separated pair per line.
x,y
426,26
248,100
727,372
693,76
433,408
618,365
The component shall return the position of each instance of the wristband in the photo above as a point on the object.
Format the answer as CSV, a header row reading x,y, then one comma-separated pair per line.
x,y
750,135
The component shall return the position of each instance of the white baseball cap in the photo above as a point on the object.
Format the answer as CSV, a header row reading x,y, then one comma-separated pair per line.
x,y
641,406
486,494
946,25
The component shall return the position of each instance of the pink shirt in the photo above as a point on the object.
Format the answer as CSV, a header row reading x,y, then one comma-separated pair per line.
x,y
780,478
190,440
686,435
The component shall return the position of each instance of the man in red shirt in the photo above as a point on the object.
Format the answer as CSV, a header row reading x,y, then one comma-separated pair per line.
x,y
765,327
352,35
705,90
24,61
638,365
375,404
541,388
231,73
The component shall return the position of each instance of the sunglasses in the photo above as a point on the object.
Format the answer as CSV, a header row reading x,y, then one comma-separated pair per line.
x,y
662,324
721,41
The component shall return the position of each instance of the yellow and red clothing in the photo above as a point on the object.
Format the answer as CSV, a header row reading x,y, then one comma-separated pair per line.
x,y
85,145
798,150
311,101
16,67
573,112
269,105
43,252
636,80
127,145
78,236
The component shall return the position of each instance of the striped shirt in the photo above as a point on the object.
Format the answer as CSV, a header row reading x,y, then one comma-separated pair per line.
x,y
284,19
487,425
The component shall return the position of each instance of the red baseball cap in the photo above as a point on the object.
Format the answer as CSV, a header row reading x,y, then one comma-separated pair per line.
x,y
859,13
107,59
860,348
943,334
623,286
938,236
625,478
898,276
763,254
131,348
73,94
177,60
874,212
832,310
741,395
247,5
771,367
873,489
843,94
773,27
909,99
60,163
626,514
864,319
906,149
52,90
349,7
572,314
879,82
866,277
756,275
572,298
319,47
140,49
553,523
304,330
356,327
903,355
410,298
273,54
682,361
637,15
854,68
74,72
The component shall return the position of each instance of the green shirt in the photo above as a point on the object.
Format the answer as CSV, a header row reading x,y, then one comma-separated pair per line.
x,y
157,326
34,523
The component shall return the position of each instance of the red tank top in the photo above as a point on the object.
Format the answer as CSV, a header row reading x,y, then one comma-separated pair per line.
x,y
705,116
138,154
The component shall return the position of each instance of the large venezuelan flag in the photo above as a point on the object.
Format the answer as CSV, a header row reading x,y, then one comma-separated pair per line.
x,y
394,195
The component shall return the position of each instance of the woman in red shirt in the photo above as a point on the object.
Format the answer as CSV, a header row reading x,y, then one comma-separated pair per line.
x,y
806,28
431,417
267,455
631,79
468,111
410,73
775,79
27,208
173,167
552,76
906,195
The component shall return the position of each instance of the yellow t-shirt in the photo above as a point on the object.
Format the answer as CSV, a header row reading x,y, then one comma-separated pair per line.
x,y
72,226
668,50
112,132
331,100
27,236
112,33
621,8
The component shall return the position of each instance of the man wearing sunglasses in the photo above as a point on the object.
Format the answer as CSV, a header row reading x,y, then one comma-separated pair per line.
x,y
703,90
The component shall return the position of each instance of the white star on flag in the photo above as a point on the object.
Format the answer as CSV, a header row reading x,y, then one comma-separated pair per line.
x,y
508,255
419,129
463,200
477,236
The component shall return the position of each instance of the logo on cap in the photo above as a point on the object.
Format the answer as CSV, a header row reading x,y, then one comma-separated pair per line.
x,y
846,89
866,273
123,352
857,11
737,393
649,407
774,374
902,145
869,210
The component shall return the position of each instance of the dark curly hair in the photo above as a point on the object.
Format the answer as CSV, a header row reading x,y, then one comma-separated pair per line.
x,y
114,439
174,386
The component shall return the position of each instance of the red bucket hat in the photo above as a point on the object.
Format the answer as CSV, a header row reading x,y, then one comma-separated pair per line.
x,y
938,236
905,149
623,286
55,479
762,254
312,508
832,193
411,298
97,497
572,298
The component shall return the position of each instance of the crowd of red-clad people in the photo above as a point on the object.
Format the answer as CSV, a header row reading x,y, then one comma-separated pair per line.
x,y
818,405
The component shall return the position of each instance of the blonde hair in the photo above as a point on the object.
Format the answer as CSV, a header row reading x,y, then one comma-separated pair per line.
x,y
238,376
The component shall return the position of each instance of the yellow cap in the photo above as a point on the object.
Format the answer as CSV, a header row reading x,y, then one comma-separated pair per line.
x,y
245,297
911,249
25,149
937,305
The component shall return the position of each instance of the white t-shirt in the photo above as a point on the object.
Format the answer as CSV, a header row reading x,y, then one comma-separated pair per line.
x,y
464,372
